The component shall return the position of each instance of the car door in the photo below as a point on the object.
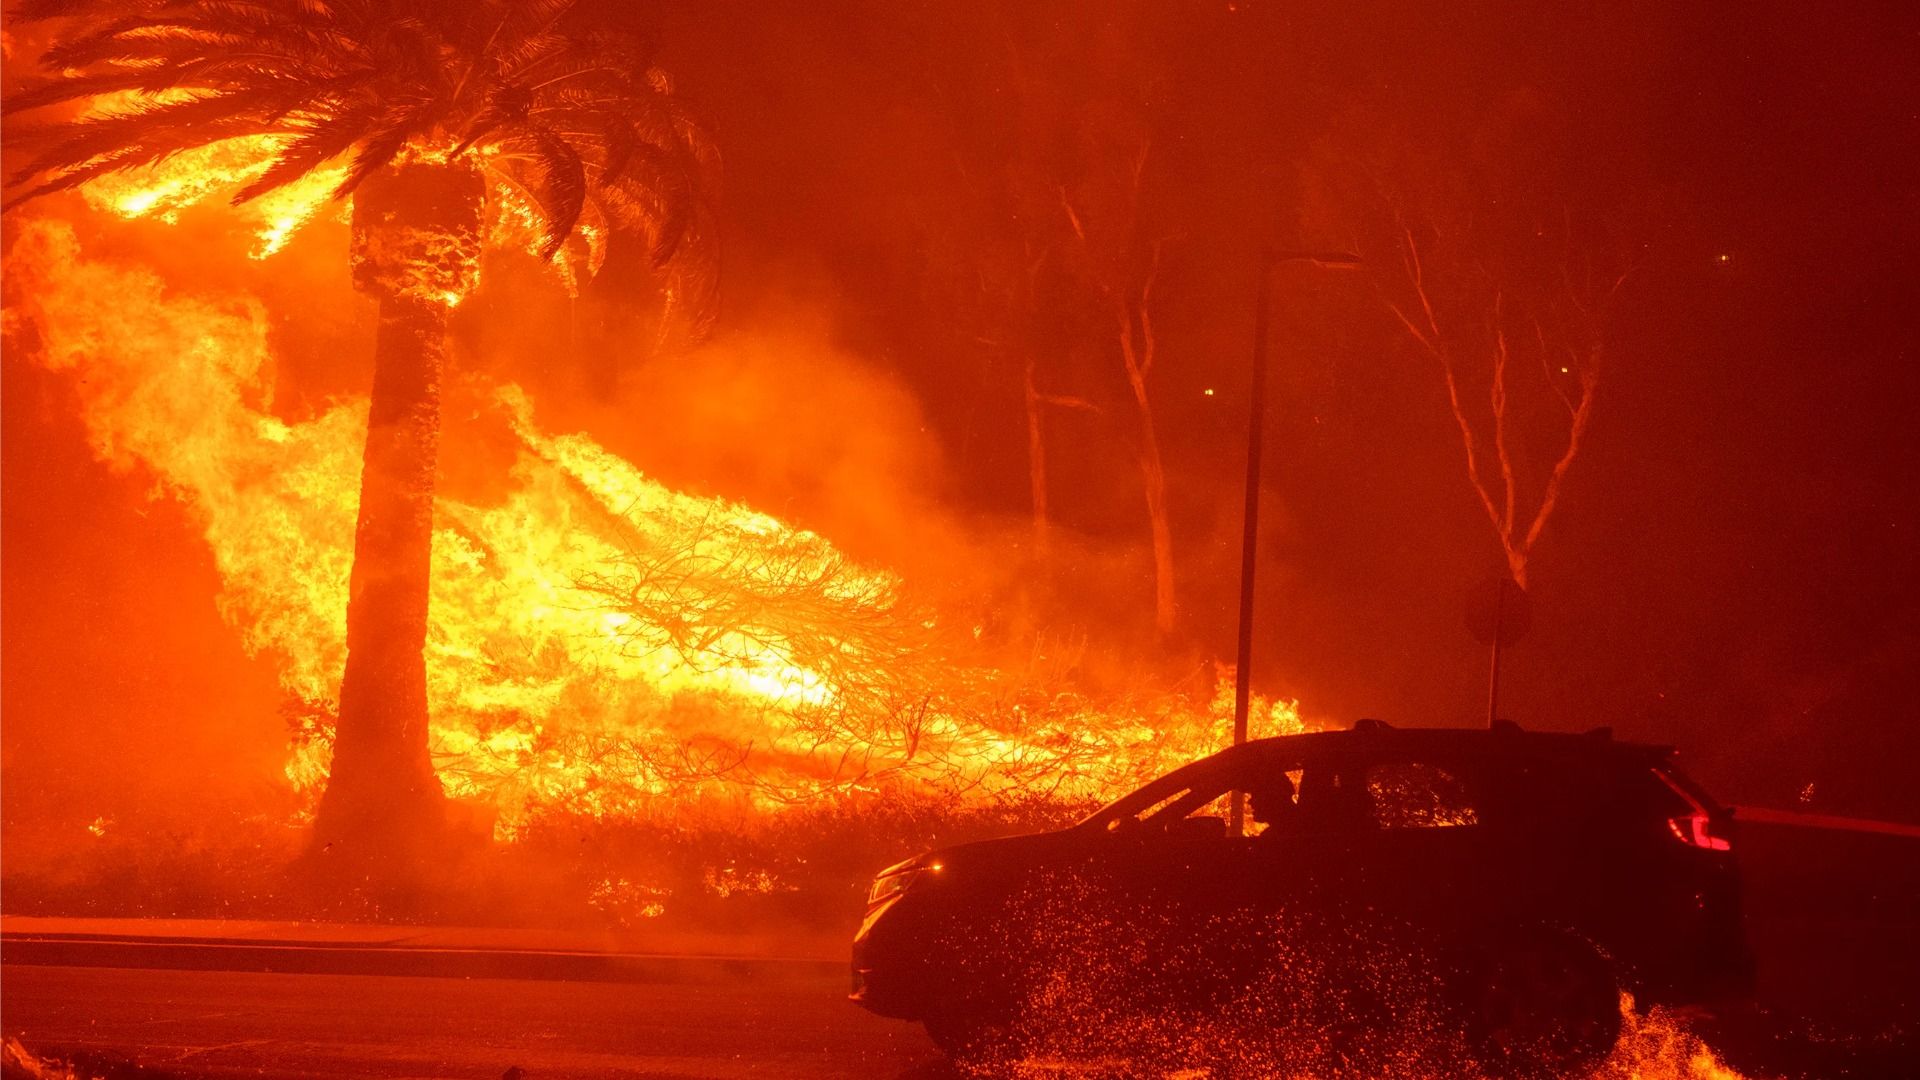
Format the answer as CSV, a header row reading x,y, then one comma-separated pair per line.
x,y
1422,855
1170,880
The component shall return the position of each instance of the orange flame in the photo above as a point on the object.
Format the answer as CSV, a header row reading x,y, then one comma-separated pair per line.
x,y
599,643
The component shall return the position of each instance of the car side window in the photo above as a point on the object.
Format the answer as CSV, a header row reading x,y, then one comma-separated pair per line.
x,y
1417,795
1273,803
1216,808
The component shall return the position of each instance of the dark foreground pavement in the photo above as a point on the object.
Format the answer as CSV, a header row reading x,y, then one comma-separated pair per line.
x,y
172,1024
205,998
232,1024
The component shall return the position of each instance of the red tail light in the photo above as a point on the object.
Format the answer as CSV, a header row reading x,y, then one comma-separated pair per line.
x,y
1696,830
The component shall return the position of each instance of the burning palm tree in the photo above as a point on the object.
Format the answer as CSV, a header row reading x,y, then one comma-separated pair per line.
x,y
446,119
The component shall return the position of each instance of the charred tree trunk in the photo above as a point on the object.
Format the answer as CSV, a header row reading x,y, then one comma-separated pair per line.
x,y
416,242
1037,470
1139,346
1153,482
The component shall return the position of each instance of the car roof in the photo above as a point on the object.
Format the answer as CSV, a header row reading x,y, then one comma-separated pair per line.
x,y
1503,740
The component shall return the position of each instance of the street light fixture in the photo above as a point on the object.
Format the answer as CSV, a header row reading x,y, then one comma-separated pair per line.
x,y
1250,521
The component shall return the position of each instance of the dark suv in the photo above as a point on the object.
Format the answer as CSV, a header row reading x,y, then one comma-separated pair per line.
x,y
1514,882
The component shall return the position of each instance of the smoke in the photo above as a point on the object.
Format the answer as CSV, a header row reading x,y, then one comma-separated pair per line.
x,y
114,649
775,416
178,383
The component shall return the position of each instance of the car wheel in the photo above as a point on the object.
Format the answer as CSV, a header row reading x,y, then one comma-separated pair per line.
x,y
1547,1005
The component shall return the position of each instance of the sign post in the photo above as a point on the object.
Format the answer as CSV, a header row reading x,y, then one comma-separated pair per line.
x,y
1499,613
1250,514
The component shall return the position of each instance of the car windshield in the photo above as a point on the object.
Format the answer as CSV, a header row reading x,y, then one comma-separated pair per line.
x,y
1171,796
1201,792
1327,795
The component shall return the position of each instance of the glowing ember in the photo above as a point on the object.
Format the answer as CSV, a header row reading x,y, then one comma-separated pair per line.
x,y
1658,1046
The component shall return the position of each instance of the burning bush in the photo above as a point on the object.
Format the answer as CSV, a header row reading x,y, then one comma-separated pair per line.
x,y
599,643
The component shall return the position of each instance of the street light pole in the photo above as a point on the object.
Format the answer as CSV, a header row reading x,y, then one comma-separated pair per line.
x,y
1250,515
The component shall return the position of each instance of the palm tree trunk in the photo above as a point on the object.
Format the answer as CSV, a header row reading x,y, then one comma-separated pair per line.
x,y
416,247
382,785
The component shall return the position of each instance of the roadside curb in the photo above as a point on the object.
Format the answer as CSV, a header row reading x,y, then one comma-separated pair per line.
x,y
348,958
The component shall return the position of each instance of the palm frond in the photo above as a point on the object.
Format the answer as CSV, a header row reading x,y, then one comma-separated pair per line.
x,y
516,60
150,150
90,138
60,91
550,169
555,97
378,147
326,137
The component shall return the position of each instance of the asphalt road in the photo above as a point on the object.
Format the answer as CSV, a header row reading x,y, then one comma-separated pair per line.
x,y
230,1024
183,1024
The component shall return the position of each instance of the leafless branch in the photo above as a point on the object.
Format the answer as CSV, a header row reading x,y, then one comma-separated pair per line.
x,y
1497,393
1073,217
